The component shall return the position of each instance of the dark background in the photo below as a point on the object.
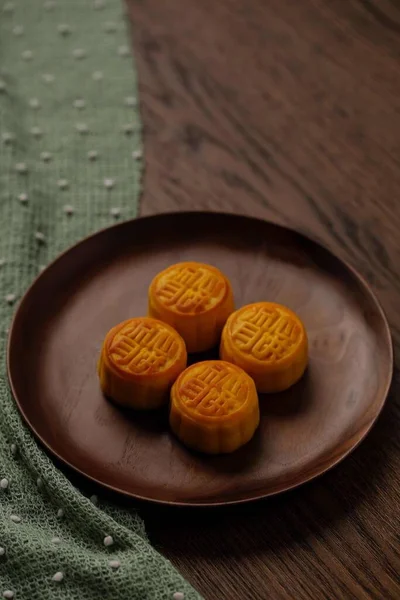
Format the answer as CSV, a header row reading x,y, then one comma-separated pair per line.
x,y
288,110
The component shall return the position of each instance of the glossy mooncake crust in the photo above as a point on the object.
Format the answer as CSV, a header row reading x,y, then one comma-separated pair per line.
x,y
214,407
140,360
195,299
269,342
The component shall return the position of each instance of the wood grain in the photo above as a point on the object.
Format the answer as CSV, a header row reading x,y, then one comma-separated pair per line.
x,y
291,111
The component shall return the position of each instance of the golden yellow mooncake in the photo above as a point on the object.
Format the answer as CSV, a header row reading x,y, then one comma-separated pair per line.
x,y
140,359
214,407
195,299
269,342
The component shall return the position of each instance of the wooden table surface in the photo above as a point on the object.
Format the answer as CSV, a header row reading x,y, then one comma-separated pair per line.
x,y
288,110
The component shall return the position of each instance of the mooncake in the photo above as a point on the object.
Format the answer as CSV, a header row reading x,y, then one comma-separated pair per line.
x,y
214,407
195,299
269,342
139,361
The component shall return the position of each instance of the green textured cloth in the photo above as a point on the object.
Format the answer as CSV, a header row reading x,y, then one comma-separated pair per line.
x,y
70,163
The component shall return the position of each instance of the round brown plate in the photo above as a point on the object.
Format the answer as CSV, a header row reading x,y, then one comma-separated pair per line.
x,y
61,322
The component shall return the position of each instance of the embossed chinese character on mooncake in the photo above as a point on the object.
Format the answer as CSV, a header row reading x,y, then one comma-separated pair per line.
x,y
269,342
195,299
214,407
139,361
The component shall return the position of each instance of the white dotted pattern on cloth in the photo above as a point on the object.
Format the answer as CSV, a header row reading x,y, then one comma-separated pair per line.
x,y
109,183
36,132
21,168
79,53
82,128
64,29
93,154
8,7
110,27
79,103
62,184
130,101
129,128
69,210
18,30
98,75
34,103
40,237
115,212
15,518
108,540
123,51
45,156
7,137
27,54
